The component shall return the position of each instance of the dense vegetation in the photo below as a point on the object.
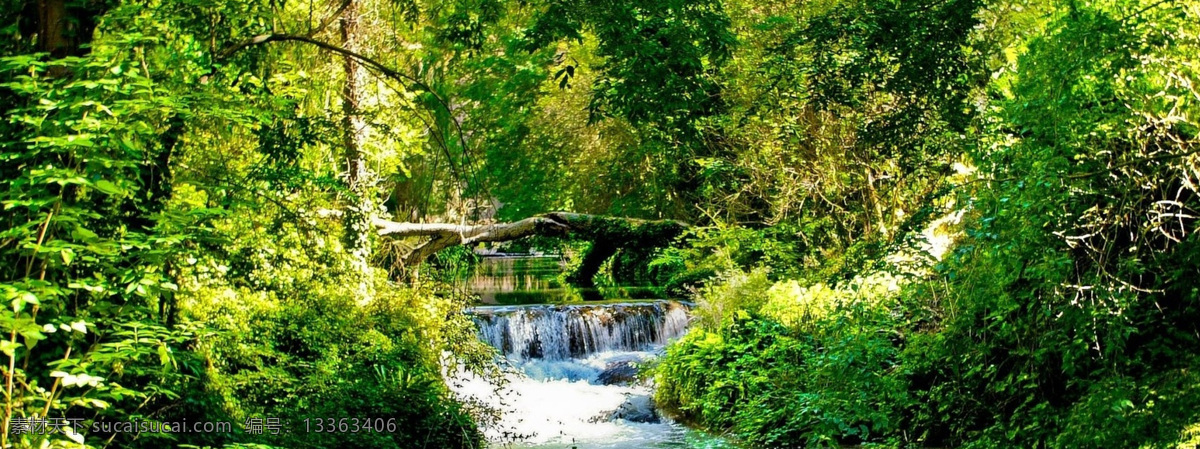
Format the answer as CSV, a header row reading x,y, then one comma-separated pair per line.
x,y
1065,315
943,223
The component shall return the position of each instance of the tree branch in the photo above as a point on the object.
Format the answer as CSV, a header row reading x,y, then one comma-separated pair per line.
x,y
618,231
384,70
329,20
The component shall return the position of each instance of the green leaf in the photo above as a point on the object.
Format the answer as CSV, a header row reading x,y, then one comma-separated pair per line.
x,y
23,298
9,347
164,356
83,234
107,187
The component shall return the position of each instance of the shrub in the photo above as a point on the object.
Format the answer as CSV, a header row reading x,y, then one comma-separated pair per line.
x,y
782,365
735,291
803,307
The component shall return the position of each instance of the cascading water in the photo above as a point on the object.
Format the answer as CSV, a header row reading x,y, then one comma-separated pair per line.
x,y
561,332
573,385
573,382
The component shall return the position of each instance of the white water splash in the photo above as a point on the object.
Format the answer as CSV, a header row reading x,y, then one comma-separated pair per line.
x,y
557,405
562,332
553,397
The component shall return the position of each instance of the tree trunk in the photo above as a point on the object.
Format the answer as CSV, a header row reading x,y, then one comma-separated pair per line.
x,y
62,27
359,179
607,234
52,27
585,274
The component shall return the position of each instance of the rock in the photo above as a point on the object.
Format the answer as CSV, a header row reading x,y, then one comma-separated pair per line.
x,y
618,373
639,409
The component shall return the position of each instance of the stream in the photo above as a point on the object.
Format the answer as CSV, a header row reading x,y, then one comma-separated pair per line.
x,y
574,382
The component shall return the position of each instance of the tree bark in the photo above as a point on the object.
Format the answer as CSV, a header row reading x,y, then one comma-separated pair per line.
x,y
62,27
603,231
52,27
359,179
585,274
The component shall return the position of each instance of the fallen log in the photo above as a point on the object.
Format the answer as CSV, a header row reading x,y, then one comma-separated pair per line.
x,y
607,234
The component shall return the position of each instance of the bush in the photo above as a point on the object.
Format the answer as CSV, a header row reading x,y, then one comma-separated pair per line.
x,y
775,387
304,361
287,339
786,366
706,377
734,291
804,307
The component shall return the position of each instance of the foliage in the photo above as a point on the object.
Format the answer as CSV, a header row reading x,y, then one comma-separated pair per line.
x,y
1063,317
735,291
775,387
805,308
87,281
704,252
161,256
173,174
1059,303
288,340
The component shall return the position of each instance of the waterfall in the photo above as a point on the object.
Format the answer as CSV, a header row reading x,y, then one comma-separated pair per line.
x,y
562,332
572,376
576,380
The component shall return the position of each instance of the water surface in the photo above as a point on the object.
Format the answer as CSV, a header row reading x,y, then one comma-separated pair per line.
x,y
538,280
562,355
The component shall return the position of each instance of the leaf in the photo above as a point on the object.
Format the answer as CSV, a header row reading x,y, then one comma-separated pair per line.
x,y
164,356
72,434
83,234
23,298
107,187
32,333
81,379
9,347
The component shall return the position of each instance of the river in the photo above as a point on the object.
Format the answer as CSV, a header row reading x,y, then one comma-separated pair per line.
x,y
573,382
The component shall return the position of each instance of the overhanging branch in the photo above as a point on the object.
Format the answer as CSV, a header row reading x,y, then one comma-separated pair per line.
x,y
613,231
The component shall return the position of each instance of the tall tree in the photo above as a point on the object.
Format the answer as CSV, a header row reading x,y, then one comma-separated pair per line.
x,y
359,179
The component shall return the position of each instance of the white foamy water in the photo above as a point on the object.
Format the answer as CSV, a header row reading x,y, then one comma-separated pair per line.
x,y
554,396
558,404
562,332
